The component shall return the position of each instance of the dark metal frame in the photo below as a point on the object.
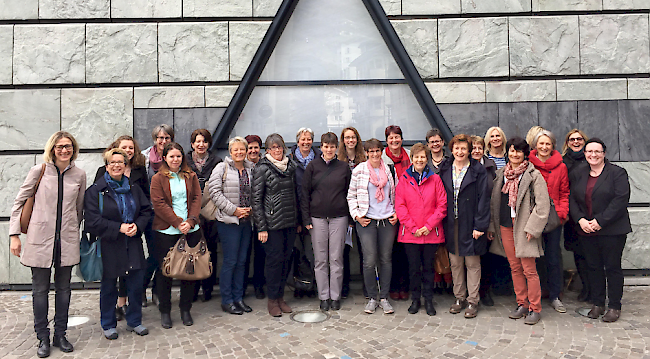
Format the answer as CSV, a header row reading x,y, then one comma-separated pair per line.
x,y
252,75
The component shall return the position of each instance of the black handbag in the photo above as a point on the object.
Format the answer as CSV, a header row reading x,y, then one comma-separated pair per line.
x,y
553,220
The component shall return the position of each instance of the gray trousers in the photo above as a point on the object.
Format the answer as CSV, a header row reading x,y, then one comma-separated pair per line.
x,y
328,240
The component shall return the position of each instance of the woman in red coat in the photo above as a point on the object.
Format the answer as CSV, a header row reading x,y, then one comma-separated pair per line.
x,y
549,162
421,205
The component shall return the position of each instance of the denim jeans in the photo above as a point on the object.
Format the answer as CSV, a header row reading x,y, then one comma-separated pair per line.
x,y
278,248
108,298
235,241
553,256
377,240
40,289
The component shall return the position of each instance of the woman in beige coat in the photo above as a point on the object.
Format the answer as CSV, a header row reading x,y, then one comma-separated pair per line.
x,y
53,234
519,210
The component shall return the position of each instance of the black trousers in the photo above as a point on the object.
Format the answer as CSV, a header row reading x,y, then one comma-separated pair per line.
x,y
486,272
212,238
346,261
40,290
278,248
164,288
400,277
603,255
421,258
256,252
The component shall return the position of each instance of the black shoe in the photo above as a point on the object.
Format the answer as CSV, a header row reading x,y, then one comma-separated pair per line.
x,y
336,305
259,293
345,291
144,299
206,296
186,317
487,300
325,305
165,320
62,343
195,297
298,293
120,312
241,305
428,305
43,348
311,294
415,306
232,308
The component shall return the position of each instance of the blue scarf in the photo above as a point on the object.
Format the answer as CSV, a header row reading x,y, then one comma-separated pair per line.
x,y
304,161
123,196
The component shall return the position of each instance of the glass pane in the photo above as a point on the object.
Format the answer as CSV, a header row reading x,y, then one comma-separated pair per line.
x,y
330,40
369,108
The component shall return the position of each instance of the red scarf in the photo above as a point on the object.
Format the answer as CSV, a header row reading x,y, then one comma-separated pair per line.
x,y
511,186
402,162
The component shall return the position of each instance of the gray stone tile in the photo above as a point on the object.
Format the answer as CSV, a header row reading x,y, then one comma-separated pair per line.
x,y
420,39
392,7
18,10
559,118
600,119
6,53
636,254
28,118
639,176
144,120
4,256
501,6
220,8
517,118
244,40
266,7
145,8
472,119
188,120
13,170
73,9
633,125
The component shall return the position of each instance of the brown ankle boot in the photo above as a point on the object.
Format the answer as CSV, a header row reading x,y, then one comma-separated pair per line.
x,y
274,308
284,306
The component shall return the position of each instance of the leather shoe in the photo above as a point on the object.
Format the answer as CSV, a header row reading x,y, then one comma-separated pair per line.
x,y
232,309
336,305
325,305
62,343
486,299
165,320
403,295
596,311
532,318
274,308
43,348
206,296
612,315
415,306
394,295
428,305
259,293
284,306
243,306
186,317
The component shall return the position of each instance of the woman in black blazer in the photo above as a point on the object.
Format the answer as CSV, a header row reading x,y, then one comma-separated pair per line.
x,y
600,193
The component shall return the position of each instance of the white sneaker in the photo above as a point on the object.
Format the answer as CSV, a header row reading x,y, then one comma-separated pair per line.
x,y
385,305
371,306
558,305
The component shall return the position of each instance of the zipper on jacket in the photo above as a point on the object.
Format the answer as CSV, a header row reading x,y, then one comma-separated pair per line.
x,y
437,234
56,253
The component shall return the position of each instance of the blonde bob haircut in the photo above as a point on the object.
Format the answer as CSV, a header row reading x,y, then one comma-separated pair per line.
x,y
48,154
108,154
531,135
487,138
546,133
237,139
419,147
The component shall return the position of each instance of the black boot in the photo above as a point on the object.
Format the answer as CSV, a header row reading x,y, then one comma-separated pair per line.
x,y
43,348
428,305
63,343
243,306
232,308
186,317
486,299
165,320
415,306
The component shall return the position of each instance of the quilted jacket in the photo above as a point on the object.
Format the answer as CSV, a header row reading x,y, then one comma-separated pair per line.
x,y
275,200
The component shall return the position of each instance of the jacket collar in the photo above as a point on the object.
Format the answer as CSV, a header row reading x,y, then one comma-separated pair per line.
x,y
552,163
247,164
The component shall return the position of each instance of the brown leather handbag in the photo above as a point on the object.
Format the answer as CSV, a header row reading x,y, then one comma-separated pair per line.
x,y
184,263
28,207
442,264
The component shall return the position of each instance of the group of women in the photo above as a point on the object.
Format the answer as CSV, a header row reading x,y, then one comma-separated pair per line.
x,y
396,203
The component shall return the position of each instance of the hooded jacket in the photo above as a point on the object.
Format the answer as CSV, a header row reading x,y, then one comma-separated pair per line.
x,y
556,176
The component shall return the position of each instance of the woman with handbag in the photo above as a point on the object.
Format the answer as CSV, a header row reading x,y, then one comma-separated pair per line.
x,y
176,200
516,225
468,217
371,201
137,175
202,161
421,206
275,214
600,194
52,233
548,161
325,214
230,190
124,214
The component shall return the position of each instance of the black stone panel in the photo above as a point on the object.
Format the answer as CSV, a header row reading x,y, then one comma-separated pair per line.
x,y
471,119
634,123
600,119
188,120
559,118
144,120
515,119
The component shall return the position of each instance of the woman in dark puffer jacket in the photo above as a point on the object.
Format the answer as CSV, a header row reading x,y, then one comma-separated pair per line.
x,y
275,214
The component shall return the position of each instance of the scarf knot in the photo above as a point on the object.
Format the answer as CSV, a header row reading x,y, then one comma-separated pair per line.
x,y
378,181
123,196
304,161
511,186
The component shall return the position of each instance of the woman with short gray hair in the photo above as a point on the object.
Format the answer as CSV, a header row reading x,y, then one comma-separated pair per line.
x,y
161,136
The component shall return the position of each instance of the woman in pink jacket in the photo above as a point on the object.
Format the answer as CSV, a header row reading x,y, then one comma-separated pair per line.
x,y
421,206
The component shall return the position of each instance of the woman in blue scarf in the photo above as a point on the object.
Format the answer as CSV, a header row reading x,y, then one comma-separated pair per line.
x,y
119,213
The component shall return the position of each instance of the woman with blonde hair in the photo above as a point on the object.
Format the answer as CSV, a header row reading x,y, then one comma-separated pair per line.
x,y
58,187
496,146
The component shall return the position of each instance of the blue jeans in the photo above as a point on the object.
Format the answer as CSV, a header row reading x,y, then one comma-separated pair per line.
x,y
553,255
235,241
108,299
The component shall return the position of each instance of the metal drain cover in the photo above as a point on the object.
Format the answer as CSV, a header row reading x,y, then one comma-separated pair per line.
x,y
310,316
76,320
584,311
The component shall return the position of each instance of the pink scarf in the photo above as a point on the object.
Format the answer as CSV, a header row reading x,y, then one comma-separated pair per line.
x,y
511,187
155,160
378,182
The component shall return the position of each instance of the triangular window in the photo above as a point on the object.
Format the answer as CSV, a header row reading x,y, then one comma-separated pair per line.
x,y
329,64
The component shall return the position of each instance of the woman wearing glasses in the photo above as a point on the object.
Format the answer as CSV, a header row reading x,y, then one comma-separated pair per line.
x,y
53,235
599,197
437,146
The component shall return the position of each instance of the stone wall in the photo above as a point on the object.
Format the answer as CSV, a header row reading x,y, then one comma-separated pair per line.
x,y
103,68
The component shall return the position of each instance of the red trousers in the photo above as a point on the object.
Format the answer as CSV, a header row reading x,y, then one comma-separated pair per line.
x,y
524,274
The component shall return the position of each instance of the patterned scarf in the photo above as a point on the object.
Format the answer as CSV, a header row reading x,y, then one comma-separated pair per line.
x,y
378,181
123,197
304,161
198,161
155,160
511,187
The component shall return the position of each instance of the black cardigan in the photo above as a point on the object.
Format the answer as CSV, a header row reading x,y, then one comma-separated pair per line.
x,y
609,199
329,198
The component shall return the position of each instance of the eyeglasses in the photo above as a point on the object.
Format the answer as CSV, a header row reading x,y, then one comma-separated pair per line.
x,y
350,137
164,138
275,148
374,151
576,139
63,147
594,152
435,142
115,163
